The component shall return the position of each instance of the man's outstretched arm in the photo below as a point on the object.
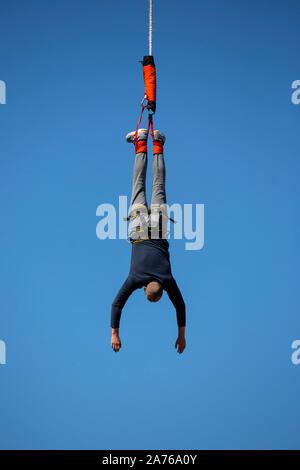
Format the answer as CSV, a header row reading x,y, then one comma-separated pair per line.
x,y
177,300
116,310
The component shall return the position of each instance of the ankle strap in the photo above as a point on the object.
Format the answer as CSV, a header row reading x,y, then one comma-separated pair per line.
x,y
141,146
158,147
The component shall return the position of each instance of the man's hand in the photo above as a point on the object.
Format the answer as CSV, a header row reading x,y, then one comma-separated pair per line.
x,y
115,340
180,342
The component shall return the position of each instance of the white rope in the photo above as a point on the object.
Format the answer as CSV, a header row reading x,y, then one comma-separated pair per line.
x,y
150,26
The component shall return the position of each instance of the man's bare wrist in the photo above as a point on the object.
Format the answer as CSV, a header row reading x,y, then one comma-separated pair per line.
x,y
181,331
115,331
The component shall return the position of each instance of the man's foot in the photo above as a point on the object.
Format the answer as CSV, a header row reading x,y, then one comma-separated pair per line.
x,y
159,137
142,134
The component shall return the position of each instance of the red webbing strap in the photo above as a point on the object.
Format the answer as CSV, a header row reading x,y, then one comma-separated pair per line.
x,y
158,147
137,128
150,126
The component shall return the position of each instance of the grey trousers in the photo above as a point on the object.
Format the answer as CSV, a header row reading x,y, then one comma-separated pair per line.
x,y
142,224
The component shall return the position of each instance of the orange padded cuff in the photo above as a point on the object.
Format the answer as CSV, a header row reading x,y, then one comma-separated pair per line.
x,y
141,146
158,147
150,82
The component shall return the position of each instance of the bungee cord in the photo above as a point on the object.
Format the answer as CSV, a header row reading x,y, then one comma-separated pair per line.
x,y
150,26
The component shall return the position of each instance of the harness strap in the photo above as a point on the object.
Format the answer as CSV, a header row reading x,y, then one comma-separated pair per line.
x,y
141,146
150,125
137,127
158,147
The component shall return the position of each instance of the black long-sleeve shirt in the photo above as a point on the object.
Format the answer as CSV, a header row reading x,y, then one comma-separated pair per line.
x,y
150,261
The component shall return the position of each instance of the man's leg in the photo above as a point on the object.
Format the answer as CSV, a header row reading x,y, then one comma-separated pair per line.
x,y
159,220
138,212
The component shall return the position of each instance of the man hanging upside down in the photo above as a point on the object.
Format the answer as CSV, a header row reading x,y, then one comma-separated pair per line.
x,y
150,259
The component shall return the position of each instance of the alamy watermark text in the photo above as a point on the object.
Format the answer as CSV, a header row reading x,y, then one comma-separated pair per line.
x,y
189,222
2,352
2,92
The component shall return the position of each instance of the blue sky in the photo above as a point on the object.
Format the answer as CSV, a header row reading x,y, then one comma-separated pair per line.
x,y
74,86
